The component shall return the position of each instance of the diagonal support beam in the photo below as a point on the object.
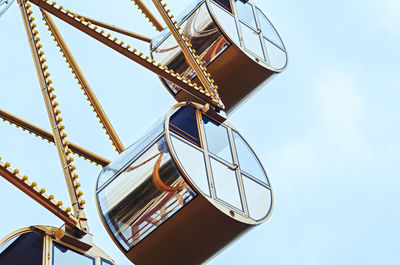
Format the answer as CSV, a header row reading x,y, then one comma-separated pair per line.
x,y
49,137
116,29
186,47
116,141
55,119
72,19
148,14
39,195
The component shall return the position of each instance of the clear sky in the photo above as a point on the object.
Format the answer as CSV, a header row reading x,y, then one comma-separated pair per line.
x,y
327,129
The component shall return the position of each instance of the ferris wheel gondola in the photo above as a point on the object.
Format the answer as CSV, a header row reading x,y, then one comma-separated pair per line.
x,y
234,40
189,179
192,184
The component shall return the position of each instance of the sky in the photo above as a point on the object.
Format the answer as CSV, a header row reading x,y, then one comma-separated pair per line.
x,y
327,129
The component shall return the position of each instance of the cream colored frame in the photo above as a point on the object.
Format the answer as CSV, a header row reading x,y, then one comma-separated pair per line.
x,y
49,237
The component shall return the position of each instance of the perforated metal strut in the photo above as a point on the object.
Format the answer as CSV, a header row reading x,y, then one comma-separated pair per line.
x,y
204,95
55,119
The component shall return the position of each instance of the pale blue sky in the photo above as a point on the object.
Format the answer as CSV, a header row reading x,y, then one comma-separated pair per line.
x,y
326,129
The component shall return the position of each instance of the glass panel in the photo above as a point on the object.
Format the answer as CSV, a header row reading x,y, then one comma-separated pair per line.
x,y
191,6
217,139
133,206
66,256
205,37
130,153
225,4
268,30
25,249
258,198
7,244
245,13
252,41
248,161
227,22
192,160
156,40
276,57
105,262
225,182
184,123
168,52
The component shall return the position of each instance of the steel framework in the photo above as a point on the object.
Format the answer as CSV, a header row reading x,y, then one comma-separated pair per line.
x,y
74,216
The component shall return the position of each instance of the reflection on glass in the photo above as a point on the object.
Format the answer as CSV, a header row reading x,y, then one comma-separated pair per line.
x,y
225,4
191,5
184,123
7,244
133,206
25,249
277,57
217,139
131,152
225,182
245,13
205,38
65,256
105,262
192,160
258,198
227,22
248,161
268,30
252,41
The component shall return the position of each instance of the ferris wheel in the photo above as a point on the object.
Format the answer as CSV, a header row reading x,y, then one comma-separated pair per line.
x,y
192,177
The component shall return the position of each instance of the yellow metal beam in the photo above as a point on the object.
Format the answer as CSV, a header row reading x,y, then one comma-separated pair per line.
x,y
49,137
149,15
84,83
54,115
116,29
126,50
38,194
186,47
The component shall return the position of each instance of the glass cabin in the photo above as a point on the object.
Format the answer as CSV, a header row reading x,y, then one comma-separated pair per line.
x,y
44,245
236,42
184,191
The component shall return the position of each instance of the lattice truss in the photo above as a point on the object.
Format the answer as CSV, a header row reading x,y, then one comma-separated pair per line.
x,y
206,93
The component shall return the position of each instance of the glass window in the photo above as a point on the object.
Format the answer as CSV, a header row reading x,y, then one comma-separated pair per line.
x,y
204,35
248,161
277,57
184,123
245,13
24,249
133,205
192,160
225,4
252,41
66,256
105,262
131,152
191,6
268,30
227,22
217,139
7,244
225,182
258,198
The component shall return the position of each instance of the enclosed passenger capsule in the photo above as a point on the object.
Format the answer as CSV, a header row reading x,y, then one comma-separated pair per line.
x,y
236,42
184,191
45,245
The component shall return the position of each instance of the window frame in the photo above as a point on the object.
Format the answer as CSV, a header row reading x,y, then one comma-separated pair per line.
x,y
207,155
